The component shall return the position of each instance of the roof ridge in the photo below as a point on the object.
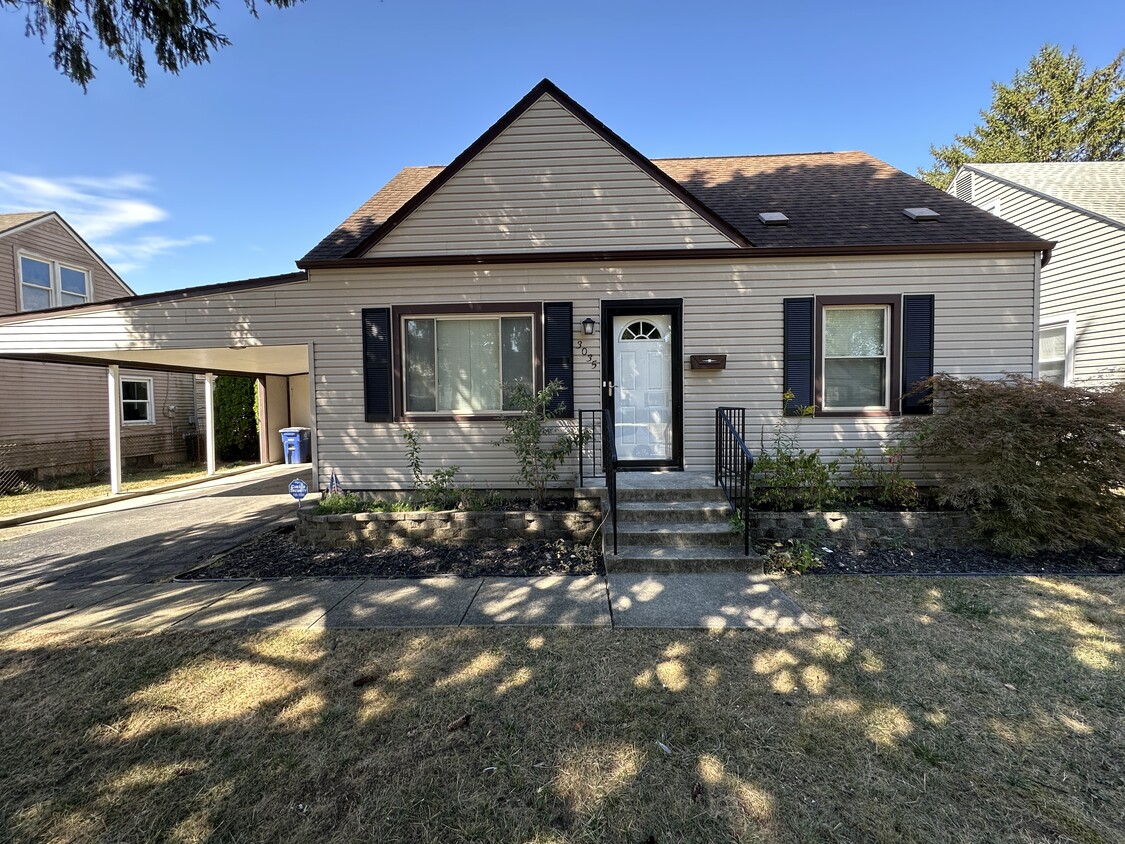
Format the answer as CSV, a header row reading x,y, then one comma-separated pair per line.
x,y
756,155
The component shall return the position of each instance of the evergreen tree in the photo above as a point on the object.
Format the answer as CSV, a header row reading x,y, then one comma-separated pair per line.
x,y
1052,111
177,32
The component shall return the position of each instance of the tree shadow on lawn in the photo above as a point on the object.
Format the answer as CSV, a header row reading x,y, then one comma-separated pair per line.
x,y
928,710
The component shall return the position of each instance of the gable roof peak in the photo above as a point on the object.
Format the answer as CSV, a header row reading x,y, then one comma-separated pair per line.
x,y
359,246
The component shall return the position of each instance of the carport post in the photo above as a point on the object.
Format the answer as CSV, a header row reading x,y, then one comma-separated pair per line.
x,y
113,379
209,404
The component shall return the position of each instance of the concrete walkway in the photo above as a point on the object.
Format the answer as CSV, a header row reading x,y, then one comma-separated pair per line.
x,y
101,569
681,601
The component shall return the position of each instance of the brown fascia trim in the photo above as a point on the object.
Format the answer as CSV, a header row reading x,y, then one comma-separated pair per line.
x,y
748,254
155,298
81,360
509,117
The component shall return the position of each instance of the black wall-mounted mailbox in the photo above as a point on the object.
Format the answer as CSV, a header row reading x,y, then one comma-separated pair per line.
x,y
708,361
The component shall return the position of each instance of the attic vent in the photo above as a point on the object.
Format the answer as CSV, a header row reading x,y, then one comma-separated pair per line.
x,y
773,218
963,188
920,215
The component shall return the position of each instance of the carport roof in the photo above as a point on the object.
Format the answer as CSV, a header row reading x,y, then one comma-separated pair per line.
x,y
162,296
236,359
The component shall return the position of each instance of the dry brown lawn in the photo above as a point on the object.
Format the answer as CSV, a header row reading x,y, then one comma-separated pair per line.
x,y
981,710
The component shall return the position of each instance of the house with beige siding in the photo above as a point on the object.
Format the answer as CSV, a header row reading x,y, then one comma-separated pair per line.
x,y
1080,206
657,290
53,417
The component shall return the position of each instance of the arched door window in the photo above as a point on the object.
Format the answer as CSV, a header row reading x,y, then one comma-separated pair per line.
x,y
641,329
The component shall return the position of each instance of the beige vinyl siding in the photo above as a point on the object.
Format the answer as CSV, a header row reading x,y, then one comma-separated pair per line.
x,y
50,240
55,415
1085,276
984,315
548,182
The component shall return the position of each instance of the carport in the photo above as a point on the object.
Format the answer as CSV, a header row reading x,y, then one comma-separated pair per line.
x,y
221,329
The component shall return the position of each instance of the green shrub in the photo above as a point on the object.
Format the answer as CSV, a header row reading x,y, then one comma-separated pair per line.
x,y
1039,466
236,423
397,505
539,443
437,492
794,556
790,478
884,483
337,503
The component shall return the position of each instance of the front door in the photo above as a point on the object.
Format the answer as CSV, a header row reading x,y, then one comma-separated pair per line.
x,y
644,382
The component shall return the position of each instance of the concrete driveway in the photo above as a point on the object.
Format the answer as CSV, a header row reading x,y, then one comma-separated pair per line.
x,y
148,538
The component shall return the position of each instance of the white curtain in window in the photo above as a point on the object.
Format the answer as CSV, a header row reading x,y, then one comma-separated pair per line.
x,y
854,332
468,362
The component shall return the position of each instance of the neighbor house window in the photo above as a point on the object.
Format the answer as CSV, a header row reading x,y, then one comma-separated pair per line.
x,y
466,364
48,284
855,363
136,401
1056,351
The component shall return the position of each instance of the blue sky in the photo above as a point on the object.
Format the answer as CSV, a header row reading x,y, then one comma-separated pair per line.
x,y
236,168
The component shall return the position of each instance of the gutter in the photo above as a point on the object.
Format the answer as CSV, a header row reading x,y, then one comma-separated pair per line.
x,y
724,254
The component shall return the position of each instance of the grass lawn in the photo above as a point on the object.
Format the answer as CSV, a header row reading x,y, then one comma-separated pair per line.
x,y
25,502
928,710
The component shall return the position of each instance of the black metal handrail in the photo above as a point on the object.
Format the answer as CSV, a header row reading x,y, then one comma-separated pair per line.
x,y
600,420
734,463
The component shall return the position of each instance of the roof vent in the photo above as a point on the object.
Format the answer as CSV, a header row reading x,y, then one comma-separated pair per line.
x,y
920,215
773,218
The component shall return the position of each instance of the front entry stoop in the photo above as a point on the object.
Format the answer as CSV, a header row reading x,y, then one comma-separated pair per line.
x,y
674,522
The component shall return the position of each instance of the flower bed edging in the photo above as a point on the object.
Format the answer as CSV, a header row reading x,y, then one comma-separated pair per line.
x,y
865,530
453,527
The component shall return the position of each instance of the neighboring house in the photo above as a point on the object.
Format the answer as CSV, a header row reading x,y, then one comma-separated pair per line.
x,y
53,417
551,249
1081,206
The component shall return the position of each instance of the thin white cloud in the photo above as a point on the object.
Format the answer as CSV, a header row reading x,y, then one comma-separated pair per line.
x,y
134,254
103,210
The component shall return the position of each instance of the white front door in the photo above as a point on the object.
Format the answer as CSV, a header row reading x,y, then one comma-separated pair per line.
x,y
642,398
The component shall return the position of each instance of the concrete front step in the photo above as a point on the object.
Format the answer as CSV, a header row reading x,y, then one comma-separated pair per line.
x,y
708,494
673,511
641,558
676,534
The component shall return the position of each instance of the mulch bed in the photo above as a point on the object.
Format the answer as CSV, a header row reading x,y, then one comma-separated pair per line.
x,y
968,561
277,554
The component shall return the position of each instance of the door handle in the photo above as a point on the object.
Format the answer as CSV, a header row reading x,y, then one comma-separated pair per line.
x,y
608,387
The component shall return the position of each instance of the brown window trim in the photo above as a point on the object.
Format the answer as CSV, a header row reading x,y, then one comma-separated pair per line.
x,y
894,302
532,309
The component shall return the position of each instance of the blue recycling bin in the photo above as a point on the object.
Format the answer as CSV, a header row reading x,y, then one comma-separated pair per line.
x,y
295,444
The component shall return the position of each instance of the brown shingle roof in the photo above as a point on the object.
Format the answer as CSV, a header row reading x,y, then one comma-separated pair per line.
x,y
11,221
368,217
831,199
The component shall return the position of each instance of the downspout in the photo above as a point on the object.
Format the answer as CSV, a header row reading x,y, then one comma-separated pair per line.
x,y
1035,316
314,434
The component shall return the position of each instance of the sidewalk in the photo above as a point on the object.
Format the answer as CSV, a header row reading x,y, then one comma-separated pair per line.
x,y
679,601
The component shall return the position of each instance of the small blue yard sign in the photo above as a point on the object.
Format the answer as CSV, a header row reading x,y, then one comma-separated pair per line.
x,y
298,488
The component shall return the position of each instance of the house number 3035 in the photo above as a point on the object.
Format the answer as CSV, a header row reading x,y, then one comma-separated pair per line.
x,y
582,350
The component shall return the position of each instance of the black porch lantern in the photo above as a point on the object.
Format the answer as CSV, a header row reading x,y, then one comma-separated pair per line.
x,y
588,326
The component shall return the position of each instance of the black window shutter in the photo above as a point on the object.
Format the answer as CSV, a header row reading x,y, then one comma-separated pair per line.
x,y
917,351
798,358
558,347
377,364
